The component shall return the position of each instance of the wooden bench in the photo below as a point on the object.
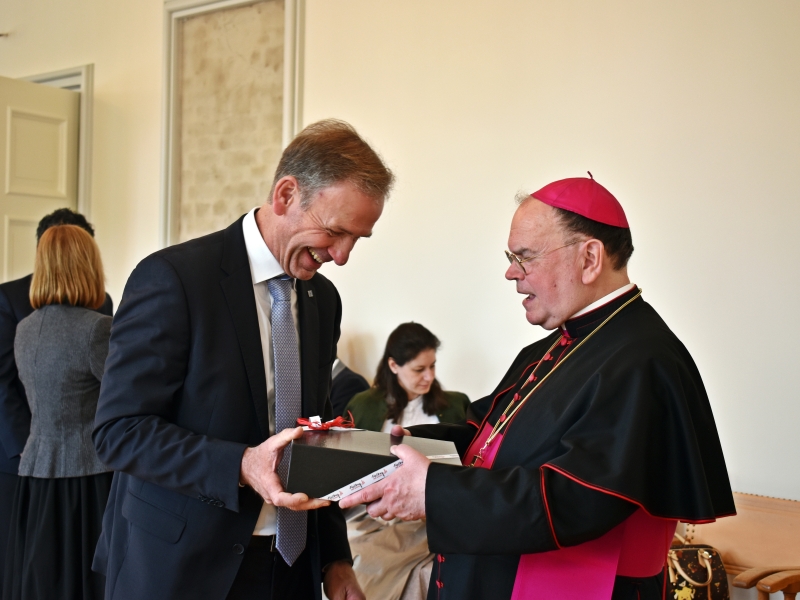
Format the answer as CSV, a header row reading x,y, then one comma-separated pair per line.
x,y
760,545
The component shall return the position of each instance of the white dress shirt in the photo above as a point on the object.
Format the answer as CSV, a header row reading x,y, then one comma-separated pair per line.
x,y
264,266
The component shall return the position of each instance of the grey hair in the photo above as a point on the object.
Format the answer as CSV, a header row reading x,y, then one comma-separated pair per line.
x,y
522,197
329,152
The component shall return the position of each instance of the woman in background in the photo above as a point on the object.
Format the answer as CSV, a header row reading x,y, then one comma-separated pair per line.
x,y
406,391
63,487
392,560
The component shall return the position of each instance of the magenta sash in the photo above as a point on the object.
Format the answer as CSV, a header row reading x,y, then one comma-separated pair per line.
x,y
637,547
583,572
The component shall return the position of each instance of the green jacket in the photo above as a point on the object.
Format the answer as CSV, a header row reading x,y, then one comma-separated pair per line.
x,y
369,409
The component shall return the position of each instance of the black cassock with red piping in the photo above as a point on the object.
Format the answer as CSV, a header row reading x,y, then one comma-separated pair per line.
x,y
622,424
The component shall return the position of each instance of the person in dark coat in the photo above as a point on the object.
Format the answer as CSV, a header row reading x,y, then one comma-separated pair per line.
x,y
62,487
15,416
218,346
346,384
595,443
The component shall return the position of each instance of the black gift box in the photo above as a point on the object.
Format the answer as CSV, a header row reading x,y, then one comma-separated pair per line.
x,y
325,461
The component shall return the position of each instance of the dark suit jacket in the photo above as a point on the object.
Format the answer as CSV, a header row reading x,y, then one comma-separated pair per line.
x,y
346,384
184,393
15,416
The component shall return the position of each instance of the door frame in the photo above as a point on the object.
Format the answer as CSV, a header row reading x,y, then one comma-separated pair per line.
x,y
174,11
78,79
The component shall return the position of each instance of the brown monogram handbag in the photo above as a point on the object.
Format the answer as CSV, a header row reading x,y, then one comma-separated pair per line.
x,y
695,571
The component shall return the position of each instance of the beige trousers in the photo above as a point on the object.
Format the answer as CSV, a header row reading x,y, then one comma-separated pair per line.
x,y
391,559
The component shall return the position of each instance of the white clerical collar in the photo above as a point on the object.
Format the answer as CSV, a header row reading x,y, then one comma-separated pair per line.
x,y
263,265
605,300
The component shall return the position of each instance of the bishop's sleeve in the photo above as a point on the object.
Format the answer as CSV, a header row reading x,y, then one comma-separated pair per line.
x,y
480,511
461,434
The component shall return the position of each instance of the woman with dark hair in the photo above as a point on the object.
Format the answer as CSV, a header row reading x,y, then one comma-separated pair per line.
x,y
406,391
392,560
63,487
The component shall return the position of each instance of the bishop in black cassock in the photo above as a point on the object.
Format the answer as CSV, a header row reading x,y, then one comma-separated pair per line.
x,y
597,440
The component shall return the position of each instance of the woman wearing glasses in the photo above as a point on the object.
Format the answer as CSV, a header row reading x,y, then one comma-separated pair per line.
x,y
392,560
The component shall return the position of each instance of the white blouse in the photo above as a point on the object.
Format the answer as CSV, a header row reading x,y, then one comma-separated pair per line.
x,y
413,414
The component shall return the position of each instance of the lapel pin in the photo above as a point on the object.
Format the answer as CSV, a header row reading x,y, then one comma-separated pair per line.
x,y
310,293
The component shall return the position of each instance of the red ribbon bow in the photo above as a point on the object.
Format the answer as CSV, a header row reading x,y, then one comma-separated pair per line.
x,y
317,425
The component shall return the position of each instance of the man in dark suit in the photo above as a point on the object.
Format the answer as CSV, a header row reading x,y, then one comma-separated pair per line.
x,y
346,384
193,395
15,416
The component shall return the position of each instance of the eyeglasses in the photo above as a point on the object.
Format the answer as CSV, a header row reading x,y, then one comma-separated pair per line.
x,y
514,259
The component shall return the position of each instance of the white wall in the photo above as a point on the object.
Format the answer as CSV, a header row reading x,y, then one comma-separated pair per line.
x,y
687,111
123,39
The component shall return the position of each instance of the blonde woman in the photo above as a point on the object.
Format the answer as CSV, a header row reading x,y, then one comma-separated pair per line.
x,y
60,350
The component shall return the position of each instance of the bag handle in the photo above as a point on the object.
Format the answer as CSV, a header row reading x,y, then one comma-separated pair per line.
x,y
703,558
688,531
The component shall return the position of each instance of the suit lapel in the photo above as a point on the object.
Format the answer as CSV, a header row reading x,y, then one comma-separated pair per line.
x,y
309,345
237,287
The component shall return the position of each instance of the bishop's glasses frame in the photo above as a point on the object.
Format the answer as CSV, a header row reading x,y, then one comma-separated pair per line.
x,y
514,259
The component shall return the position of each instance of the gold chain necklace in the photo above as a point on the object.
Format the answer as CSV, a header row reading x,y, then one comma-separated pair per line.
x,y
506,417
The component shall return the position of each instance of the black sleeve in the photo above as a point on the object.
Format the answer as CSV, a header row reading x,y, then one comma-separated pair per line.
x,y
343,391
480,511
15,415
333,535
460,434
107,308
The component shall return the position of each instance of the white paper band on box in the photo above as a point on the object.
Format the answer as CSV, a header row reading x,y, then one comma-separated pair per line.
x,y
375,477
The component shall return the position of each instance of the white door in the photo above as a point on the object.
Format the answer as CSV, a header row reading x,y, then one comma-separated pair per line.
x,y
38,165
